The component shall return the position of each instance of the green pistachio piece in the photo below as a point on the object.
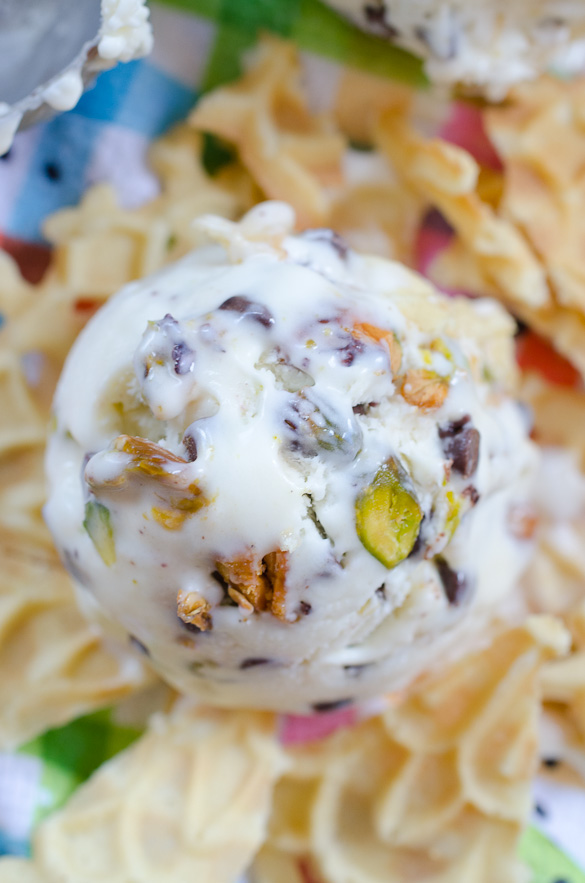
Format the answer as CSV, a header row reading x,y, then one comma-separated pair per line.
x,y
388,515
98,524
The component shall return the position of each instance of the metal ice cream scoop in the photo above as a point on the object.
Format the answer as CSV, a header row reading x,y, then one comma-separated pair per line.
x,y
51,49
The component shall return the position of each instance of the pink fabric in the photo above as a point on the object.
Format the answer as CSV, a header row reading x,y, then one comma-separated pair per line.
x,y
465,128
296,729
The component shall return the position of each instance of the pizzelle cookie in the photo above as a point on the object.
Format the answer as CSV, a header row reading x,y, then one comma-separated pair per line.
x,y
188,801
436,789
53,665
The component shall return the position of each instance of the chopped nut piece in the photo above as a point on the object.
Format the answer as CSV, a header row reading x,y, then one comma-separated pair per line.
x,y
240,600
365,330
276,566
167,518
424,389
388,515
98,524
194,610
245,575
257,584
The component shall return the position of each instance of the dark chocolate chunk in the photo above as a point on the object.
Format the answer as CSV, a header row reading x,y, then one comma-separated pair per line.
x,y
473,494
253,662
352,348
364,408
454,582
249,309
381,592
305,608
463,450
375,14
183,358
138,645
190,446
461,445
454,427
331,706
7,155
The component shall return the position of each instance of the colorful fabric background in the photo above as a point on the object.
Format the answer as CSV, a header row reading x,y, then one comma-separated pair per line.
x,y
198,44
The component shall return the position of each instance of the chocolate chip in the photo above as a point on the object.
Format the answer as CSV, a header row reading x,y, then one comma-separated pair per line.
x,y
138,645
249,309
540,811
454,582
53,171
353,348
463,450
381,591
376,15
330,237
253,662
190,446
454,427
331,706
363,409
7,155
473,494
183,358
461,445
305,608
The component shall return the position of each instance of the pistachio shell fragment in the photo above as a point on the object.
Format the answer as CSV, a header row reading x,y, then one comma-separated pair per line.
x,y
98,524
388,515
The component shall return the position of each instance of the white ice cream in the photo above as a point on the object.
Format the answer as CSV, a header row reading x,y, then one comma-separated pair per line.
x,y
487,44
230,434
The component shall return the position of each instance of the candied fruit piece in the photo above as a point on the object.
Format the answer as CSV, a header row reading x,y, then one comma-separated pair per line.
x,y
364,330
388,515
98,524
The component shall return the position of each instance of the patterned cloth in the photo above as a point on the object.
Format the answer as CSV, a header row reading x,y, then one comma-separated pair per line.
x,y
198,44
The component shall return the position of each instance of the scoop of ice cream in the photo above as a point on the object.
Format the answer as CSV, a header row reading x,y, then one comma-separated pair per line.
x,y
289,472
490,45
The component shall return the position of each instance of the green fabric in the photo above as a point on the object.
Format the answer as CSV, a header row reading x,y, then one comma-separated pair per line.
x,y
547,863
309,23
72,753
